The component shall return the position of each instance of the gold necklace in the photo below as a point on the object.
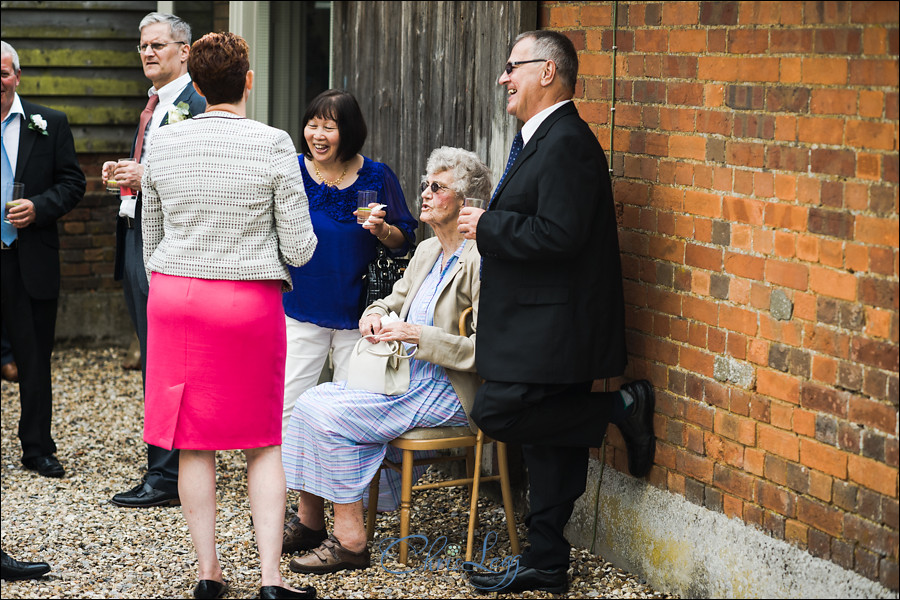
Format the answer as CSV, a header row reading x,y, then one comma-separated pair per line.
x,y
334,183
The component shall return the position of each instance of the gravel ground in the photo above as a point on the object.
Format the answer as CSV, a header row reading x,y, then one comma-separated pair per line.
x,y
97,550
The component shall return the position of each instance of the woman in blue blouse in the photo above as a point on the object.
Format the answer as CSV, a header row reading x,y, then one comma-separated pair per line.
x,y
322,311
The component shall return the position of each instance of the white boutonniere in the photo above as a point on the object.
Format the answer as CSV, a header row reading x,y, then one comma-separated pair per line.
x,y
179,113
37,123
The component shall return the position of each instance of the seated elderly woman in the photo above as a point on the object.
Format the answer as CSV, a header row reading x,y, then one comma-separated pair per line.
x,y
336,438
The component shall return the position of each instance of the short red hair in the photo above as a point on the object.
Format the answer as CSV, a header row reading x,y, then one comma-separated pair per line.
x,y
218,64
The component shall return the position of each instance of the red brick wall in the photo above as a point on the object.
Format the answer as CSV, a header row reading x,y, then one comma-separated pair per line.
x,y
88,243
756,175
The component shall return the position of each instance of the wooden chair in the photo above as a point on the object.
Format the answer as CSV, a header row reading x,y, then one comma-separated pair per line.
x,y
443,438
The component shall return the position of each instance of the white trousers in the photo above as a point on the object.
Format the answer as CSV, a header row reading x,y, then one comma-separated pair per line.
x,y
308,346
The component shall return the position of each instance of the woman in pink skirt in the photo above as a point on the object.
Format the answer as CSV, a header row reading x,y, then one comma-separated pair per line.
x,y
224,212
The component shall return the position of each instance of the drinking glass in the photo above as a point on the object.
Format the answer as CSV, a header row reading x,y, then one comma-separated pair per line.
x,y
364,199
18,192
123,190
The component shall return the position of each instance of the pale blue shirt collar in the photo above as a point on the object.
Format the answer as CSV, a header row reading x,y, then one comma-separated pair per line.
x,y
16,107
534,122
13,130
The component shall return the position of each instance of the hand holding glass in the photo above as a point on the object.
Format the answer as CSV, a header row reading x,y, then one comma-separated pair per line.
x,y
113,187
18,192
364,199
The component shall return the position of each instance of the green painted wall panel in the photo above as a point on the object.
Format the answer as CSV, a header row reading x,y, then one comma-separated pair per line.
x,y
79,58
76,86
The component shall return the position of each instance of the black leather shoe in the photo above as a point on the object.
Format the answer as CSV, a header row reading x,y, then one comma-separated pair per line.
x,y
144,496
638,428
210,588
554,581
14,570
274,591
48,466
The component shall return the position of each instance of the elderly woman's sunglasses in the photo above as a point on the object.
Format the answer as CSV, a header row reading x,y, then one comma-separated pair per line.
x,y
435,187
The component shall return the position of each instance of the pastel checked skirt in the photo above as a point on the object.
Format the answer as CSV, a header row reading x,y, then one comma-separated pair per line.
x,y
337,437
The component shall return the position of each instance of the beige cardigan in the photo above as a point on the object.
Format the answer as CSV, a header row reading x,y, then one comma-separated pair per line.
x,y
441,343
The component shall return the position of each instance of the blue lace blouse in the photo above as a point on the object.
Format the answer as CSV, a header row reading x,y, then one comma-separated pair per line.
x,y
329,289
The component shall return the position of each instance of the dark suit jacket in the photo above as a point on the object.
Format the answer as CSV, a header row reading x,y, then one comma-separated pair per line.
x,y
197,104
551,308
54,182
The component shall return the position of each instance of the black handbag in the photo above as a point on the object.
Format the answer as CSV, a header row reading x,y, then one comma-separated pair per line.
x,y
383,272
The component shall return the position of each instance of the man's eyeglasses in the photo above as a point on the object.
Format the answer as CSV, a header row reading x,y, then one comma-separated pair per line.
x,y
156,47
435,187
512,65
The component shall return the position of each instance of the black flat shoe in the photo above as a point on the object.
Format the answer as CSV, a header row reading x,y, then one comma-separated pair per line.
x,y
522,579
48,466
15,570
210,588
274,591
144,496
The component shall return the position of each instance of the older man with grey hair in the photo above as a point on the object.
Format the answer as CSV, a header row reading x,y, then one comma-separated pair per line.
x,y
38,152
164,47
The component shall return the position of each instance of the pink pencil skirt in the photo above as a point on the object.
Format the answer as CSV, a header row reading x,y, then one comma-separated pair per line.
x,y
215,364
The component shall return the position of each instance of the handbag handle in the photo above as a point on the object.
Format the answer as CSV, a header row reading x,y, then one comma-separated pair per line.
x,y
394,350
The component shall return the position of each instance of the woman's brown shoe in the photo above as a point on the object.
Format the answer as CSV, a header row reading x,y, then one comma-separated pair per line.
x,y
10,372
298,536
329,557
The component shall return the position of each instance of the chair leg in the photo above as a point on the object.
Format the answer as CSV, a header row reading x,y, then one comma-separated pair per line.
x,y
406,479
471,465
473,504
373,506
506,492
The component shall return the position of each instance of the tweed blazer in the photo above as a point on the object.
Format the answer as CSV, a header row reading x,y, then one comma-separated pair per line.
x,y
441,343
223,198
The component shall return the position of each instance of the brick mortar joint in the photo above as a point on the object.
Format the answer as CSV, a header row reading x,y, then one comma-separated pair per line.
x,y
757,479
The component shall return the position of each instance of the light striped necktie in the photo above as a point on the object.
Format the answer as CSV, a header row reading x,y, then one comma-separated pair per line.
x,y
513,154
7,232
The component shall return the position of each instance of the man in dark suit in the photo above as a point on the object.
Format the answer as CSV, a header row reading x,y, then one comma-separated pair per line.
x,y
39,151
164,48
551,313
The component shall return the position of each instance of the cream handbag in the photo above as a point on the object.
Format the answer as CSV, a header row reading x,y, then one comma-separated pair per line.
x,y
382,368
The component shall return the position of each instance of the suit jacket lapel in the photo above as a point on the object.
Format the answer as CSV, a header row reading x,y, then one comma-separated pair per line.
x,y
27,137
531,147
184,96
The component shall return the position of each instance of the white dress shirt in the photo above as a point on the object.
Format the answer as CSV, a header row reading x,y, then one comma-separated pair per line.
x,y
532,124
167,96
11,135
